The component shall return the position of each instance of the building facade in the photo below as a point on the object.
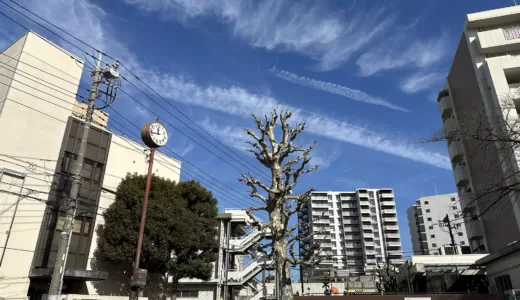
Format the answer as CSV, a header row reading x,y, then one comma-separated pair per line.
x,y
40,127
429,230
356,230
481,93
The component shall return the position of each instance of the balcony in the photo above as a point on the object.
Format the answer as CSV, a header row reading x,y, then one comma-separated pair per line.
x,y
322,221
386,195
501,40
450,127
366,219
368,235
394,244
319,205
396,261
389,219
393,235
365,211
460,172
391,227
456,151
445,106
388,211
370,261
369,244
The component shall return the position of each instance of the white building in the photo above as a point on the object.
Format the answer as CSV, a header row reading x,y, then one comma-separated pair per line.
x,y
429,231
39,132
482,89
356,229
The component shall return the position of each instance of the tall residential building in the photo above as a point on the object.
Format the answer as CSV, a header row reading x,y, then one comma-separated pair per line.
x,y
356,229
482,88
430,234
40,128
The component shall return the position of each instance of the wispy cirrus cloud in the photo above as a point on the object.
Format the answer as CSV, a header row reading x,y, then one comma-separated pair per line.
x,y
236,137
334,88
308,28
397,53
231,100
420,82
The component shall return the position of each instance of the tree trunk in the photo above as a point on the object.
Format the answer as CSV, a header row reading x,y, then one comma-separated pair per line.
x,y
283,271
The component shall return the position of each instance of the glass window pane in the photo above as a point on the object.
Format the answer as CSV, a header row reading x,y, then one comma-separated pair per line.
x,y
83,244
76,228
74,244
79,263
60,222
86,227
86,172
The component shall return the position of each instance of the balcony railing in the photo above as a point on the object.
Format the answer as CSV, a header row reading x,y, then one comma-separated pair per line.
x,y
461,175
501,40
445,106
450,127
456,151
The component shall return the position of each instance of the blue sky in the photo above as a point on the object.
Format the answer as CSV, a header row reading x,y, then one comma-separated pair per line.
x,y
364,74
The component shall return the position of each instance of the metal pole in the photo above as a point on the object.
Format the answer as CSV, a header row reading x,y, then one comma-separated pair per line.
x,y
70,205
134,292
277,277
68,247
226,262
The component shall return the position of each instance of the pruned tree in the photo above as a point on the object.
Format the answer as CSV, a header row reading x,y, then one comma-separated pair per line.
x,y
492,141
286,162
179,239
386,277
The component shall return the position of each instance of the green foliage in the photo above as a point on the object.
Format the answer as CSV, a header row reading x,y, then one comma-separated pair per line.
x,y
180,232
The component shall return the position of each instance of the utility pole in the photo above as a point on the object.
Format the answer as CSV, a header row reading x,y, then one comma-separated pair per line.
x,y
447,223
71,202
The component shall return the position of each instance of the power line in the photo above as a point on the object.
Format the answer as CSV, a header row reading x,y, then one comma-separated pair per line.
x,y
121,115
50,23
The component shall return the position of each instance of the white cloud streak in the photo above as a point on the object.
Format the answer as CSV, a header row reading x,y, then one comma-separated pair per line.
x,y
231,100
307,28
336,89
420,82
397,53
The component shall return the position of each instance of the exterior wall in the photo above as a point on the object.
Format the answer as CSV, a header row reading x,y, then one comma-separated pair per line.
x,y
414,225
36,136
33,120
507,265
430,233
359,228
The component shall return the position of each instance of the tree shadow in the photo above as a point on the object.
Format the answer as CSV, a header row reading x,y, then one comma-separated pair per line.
x,y
119,277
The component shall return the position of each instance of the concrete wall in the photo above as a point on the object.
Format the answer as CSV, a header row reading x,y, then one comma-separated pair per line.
x,y
508,265
439,206
483,162
32,130
33,141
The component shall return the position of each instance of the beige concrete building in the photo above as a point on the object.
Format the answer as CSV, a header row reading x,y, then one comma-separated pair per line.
x,y
481,88
39,136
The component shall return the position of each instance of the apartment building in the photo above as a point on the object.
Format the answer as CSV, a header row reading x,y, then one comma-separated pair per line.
x,y
40,127
481,89
429,230
356,230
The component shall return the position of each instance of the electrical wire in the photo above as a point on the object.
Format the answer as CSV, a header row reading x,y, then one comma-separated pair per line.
x,y
121,115
90,46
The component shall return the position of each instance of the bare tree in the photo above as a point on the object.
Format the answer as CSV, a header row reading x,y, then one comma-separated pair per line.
x,y
386,276
492,139
286,162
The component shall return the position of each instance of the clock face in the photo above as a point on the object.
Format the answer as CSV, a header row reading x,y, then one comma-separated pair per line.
x,y
158,134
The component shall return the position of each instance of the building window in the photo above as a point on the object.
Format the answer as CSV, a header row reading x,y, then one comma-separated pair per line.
x,y
452,199
427,210
432,236
434,245
429,219
462,243
503,283
426,202
371,194
449,250
454,207
329,197
456,216
430,227
460,233
187,294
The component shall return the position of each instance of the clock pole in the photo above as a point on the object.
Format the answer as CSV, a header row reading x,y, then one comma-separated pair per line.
x,y
139,275
154,135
